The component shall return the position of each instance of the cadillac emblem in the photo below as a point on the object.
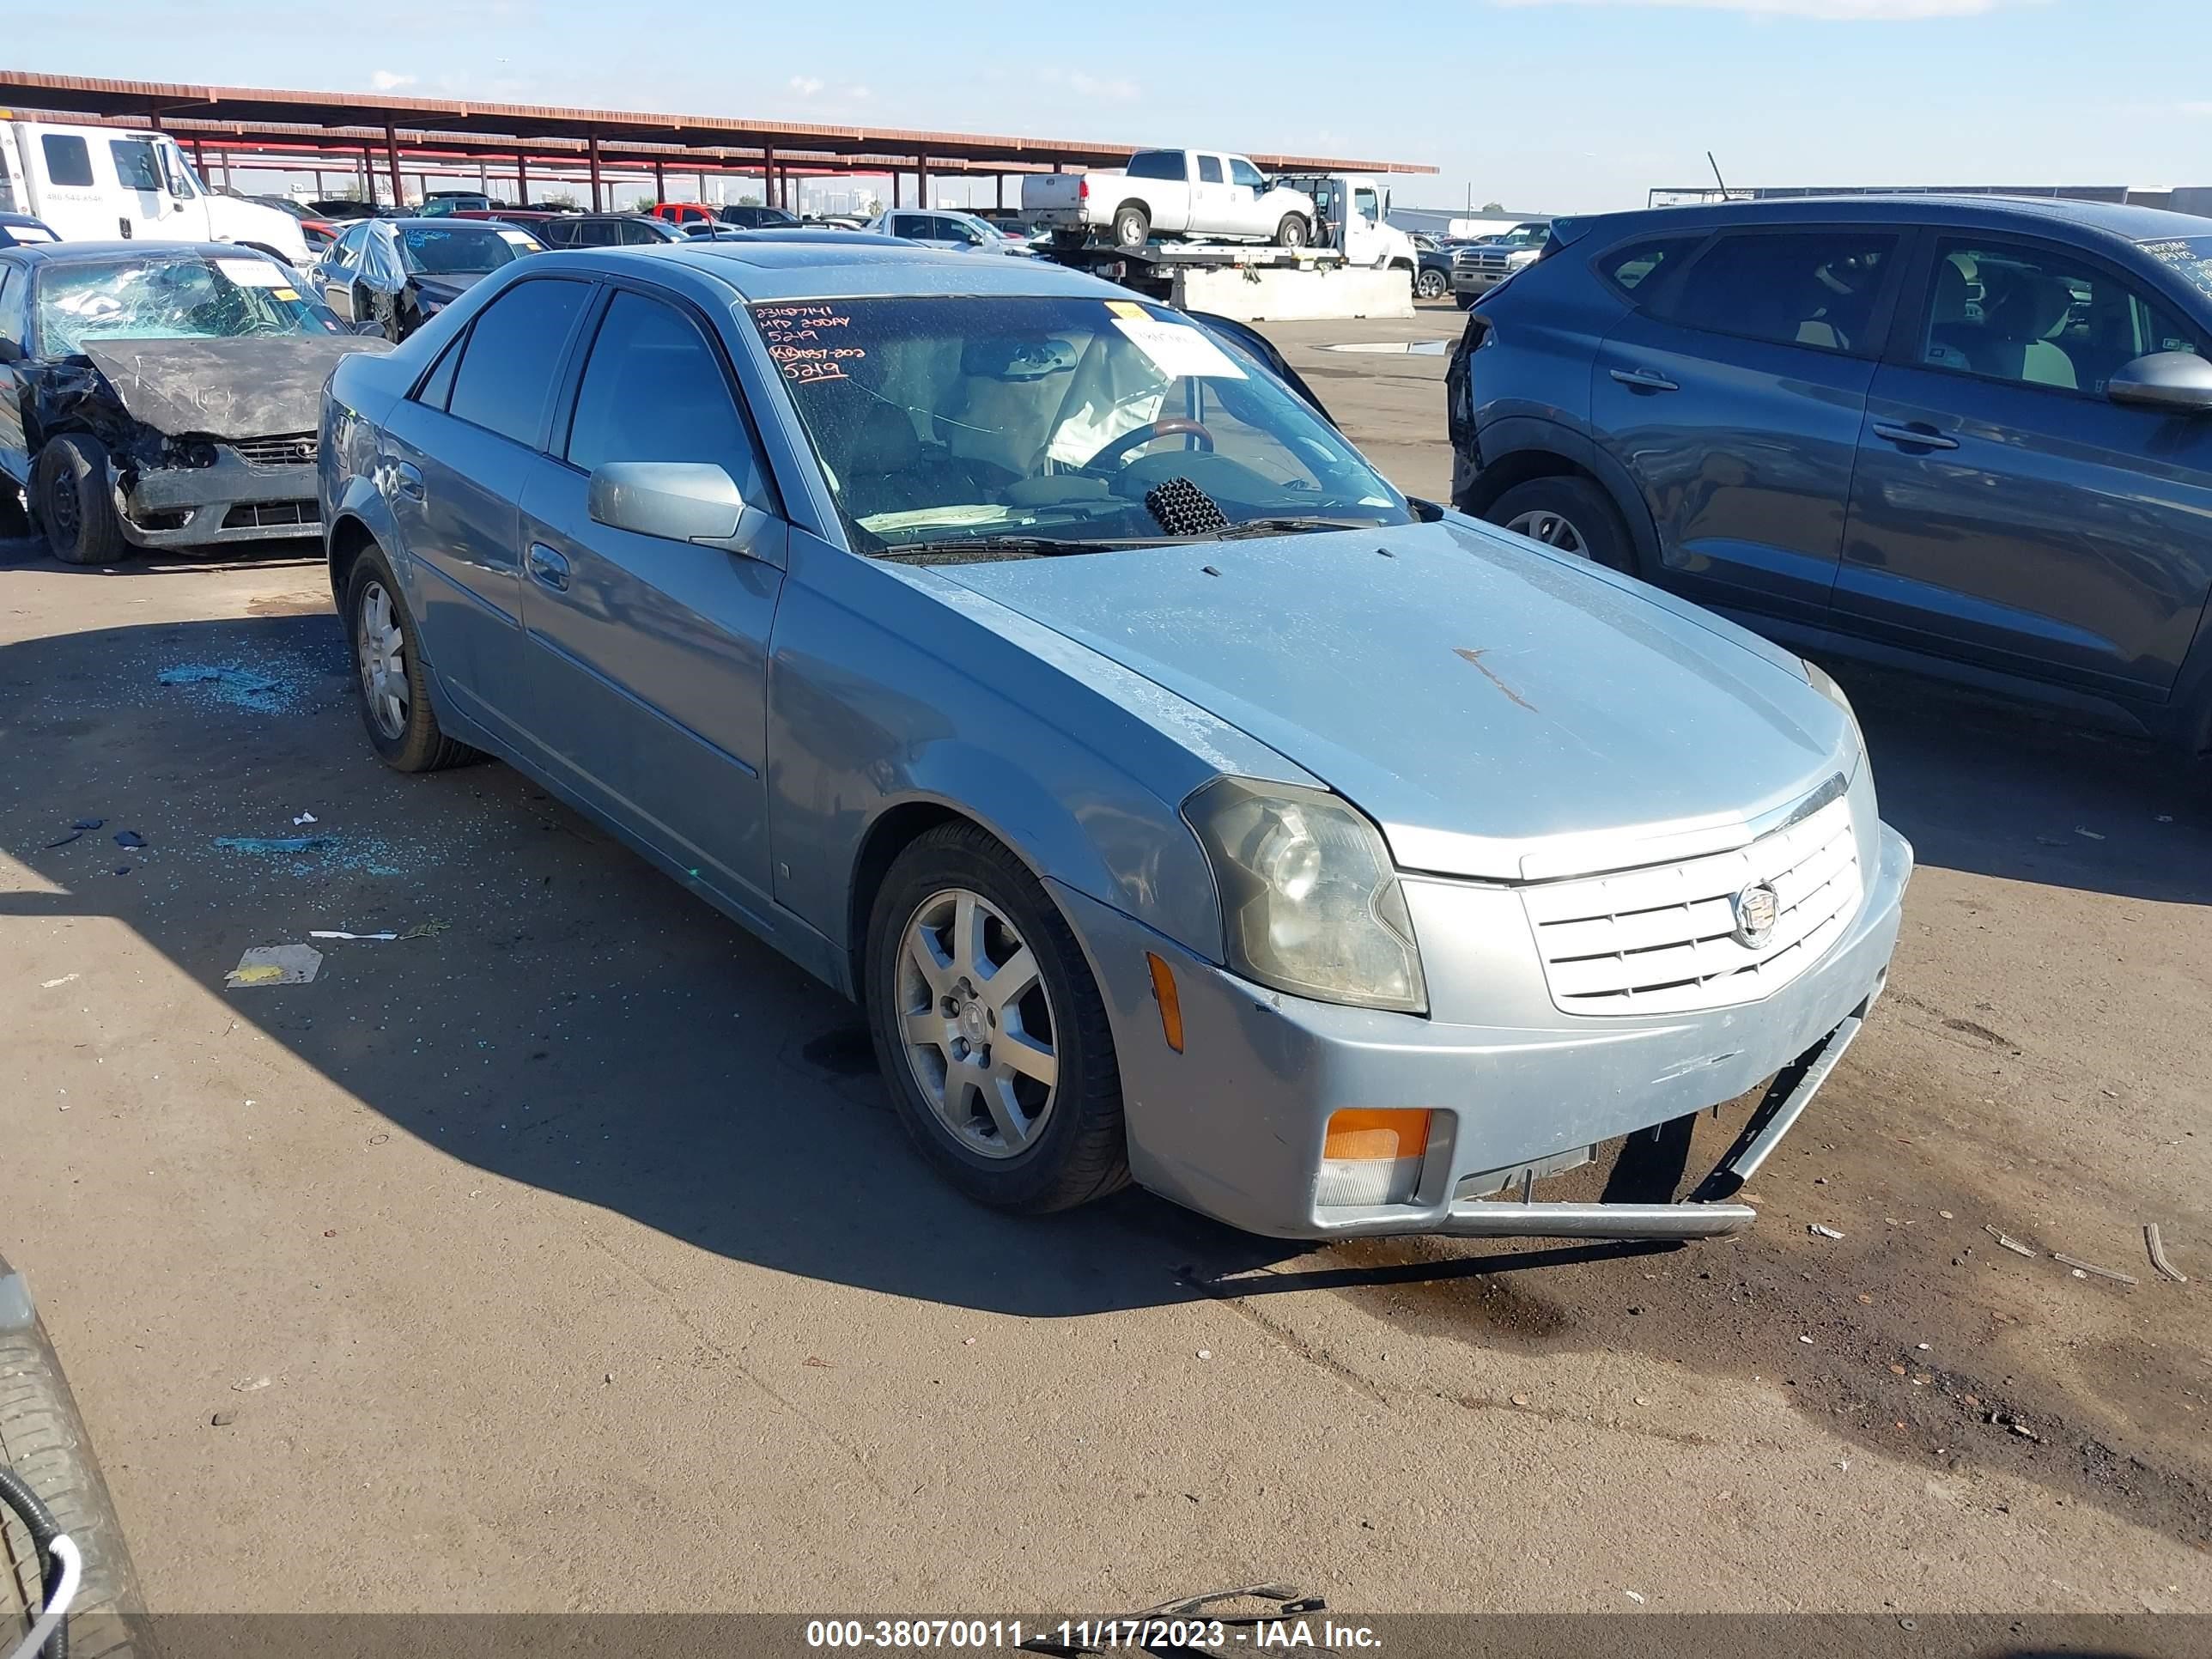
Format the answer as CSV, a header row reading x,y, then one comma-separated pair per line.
x,y
1755,908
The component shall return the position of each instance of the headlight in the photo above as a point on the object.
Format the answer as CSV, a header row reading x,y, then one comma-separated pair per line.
x,y
1309,900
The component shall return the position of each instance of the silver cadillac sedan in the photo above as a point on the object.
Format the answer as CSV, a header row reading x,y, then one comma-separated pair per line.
x,y
1042,668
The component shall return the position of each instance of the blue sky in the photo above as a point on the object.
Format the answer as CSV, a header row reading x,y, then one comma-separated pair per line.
x,y
1555,105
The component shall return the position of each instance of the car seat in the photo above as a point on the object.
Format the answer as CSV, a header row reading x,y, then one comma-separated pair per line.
x,y
2017,344
1949,330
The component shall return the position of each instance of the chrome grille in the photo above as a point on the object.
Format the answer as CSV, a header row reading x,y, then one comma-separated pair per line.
x,y
261,516
287,449
1663,939
1473,258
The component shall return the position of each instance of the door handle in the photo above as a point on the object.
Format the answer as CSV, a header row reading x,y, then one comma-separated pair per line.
x,y
407,479
549,566
1643,380
1913,436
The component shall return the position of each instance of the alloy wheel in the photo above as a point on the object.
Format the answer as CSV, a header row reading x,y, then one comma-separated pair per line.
x,y
381,650
977,1023
1552,529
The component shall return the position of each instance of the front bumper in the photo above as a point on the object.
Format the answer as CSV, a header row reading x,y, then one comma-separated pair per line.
x,y
1476,281
1233,1127
232,500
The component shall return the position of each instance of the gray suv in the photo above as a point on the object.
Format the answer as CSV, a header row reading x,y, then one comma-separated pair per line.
x,y
1971,436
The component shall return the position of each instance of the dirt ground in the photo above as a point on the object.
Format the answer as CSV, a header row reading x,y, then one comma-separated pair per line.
x,y
565,1255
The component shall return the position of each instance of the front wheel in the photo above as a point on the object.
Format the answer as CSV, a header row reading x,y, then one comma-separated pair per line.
x,y
1293,232
389,676
990,1029
1431,285
75,504
1570,515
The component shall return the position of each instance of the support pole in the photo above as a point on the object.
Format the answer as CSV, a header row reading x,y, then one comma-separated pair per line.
x,y
659,183
521,179
596,204
921,181
768,176
391,159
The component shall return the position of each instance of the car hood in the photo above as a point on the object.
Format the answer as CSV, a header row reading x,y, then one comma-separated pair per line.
x,y
1479,697
257,386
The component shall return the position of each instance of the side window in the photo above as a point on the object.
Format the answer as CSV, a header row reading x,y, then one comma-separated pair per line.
x,y
1810,288
2037,316
958,230
514,352
599,233
1209,170
438,388
1637,266
135,168
1157,164
1367,204
68,163
15,289
346,251
655,391
637,232
1242,172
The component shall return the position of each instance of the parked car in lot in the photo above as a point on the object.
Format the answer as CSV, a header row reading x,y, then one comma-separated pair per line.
x,y
1969,436
1433,272
962,233
398,273
160,395
1029,662
319,232
438,203
582,229
94,183
752,216
1169,192
1481,265
21,230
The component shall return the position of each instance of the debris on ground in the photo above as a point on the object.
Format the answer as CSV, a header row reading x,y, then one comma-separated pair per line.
x,y
2082,1267
88,824
249,1385
2090,834
818,1363
1824,1232
2152,1243
272,843
64,841
1633,1597
275,964
327,932
129,838
222,1419
2010,1243
50,984
426,929
304,818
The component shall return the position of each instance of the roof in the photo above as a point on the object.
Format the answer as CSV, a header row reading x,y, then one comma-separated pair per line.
x,y
86,253
2130,223
209,106
801,269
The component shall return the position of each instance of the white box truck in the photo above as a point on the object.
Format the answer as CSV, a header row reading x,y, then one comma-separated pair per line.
x,y
99,184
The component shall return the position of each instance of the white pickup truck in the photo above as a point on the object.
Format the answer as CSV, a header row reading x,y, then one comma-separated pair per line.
x,y
1169,192
97,183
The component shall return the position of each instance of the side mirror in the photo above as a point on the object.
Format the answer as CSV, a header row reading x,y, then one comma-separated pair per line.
x,y
676,501
367,325
2172,382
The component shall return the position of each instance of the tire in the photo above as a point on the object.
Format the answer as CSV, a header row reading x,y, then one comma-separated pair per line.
x,y
1570,515
1293,232
1133,226
43,1439
1075,1148
75,507
1431,285
388,676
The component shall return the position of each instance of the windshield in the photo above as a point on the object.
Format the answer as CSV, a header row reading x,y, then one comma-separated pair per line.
x,y
940,419
185,297
2189,258
1520,236
435,251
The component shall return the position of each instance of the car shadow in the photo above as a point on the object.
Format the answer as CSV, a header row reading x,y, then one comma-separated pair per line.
x,y
156,561
1998,789
559,1013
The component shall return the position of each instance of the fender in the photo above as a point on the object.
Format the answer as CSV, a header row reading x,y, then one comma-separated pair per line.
x,y
1533,439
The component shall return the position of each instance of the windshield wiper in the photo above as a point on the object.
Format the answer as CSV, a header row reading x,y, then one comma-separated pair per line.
x,y
1291,526
961,549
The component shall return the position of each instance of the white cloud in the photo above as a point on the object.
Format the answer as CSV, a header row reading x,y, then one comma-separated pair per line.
x,y
1115,91
389,81
1836,11
859,94
806,85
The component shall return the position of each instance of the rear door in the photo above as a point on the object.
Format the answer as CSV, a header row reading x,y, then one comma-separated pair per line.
x,y
456,457
655,652
2005,512
1734,393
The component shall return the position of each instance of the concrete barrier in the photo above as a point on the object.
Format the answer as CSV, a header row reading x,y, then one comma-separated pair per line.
x,y
1295,294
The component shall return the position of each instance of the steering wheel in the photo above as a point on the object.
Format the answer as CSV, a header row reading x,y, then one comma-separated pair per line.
x,y
1119,450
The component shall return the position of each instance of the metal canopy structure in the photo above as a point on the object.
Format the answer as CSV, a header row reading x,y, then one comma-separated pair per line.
x,y
348,127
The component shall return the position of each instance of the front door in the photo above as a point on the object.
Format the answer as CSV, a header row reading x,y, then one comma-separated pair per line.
x,y
335,272
655,652
1733,395
2005,511
1246,187
142,194
456,458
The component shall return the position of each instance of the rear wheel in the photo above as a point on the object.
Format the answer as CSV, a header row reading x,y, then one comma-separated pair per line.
x,y
990,1029
1570,515
389,676
73,503
1133,226
1293,232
